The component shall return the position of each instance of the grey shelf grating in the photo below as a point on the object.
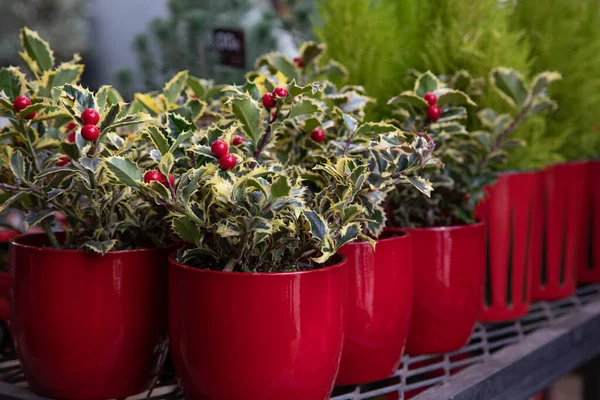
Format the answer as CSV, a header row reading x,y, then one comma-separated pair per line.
x,y
415,375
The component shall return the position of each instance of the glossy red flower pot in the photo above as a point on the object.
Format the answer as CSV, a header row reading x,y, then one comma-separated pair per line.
x,y
256,336
5,236
448,283
88,326
513,219
590,271
565,231
380,301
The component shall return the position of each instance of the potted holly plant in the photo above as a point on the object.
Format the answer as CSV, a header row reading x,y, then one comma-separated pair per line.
x,y
102,279
377,275
471,143
264,197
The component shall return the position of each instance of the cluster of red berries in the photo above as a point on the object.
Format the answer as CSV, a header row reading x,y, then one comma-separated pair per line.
x,y
21,103
269,100
154,175
220,150
299,62
90,118
433,111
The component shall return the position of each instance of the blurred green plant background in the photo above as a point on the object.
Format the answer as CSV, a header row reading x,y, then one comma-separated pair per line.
x,y
382,42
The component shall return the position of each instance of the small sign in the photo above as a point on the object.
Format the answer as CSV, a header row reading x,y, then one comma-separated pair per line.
x,y
231,46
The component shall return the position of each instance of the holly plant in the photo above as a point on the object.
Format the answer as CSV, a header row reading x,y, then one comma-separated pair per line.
x,y
471,142
285,176
54,150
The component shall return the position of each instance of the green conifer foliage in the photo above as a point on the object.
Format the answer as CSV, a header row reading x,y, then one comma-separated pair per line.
x,y
565,36
383,42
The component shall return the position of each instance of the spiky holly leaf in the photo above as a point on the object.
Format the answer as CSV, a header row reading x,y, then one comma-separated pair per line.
x,y
37,50
106,97
248,112
125,171
510,85
427,82
175,86
35,217
310,51
187,230
101,247
12,83
281,187
410,99
305,107
455,98
76,99
277,62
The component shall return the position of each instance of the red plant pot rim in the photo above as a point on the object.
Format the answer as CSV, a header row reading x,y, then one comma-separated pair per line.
x,y
15,241
446,228
518,172
7,234
403,234
570,162
194,270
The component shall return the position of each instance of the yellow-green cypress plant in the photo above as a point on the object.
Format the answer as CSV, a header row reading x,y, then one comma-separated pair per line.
x,y
383,42
565,36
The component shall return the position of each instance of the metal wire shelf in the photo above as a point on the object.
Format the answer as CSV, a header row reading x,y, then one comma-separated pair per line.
x,y
415,375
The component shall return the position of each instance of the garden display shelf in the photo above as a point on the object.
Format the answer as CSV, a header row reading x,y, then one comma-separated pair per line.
x,y
505,360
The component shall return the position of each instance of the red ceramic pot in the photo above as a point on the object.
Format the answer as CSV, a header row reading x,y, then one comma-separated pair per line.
x,y
256,336
88,326
5,236
380,300
565,227
448,284
513,219
590,271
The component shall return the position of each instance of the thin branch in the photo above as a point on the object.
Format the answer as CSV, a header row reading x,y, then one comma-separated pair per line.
x,y
265,138
47,225
238,255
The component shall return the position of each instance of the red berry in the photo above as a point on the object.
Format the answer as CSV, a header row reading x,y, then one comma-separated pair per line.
x,y
318,135
31,115
152,175
280,92
71,126
62,161
227,161
21,103
237,140
299,62
430,98
71,137
219,148
90,132
194,96
268,100
90,116
163,180
434,112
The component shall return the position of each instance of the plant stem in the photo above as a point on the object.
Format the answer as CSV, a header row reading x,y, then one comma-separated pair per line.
x,y
50,233
11,188
36,162
513,125
265,138
238,255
